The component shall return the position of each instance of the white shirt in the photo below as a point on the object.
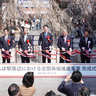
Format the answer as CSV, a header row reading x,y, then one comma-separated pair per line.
x,y
6,37
86,39
65,37
25,37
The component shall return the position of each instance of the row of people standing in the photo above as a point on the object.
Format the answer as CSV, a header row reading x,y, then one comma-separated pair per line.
x,y
34,24
6,43
77,30
45,42
65,44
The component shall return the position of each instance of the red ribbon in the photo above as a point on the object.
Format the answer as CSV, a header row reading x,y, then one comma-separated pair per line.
x,y
63,57
70,53
49,39
8,42
30,56
45,56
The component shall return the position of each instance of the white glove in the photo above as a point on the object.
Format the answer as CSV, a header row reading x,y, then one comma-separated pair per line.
x,y
63,49
12,30
3,49
29,48
20,49
10,50
71,49
39,48
51,47
83,48
89,49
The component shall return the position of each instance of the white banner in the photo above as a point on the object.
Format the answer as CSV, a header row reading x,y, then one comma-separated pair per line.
x,y
46,70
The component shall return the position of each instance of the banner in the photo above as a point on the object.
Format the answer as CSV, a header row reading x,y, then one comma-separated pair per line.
x,y
46,70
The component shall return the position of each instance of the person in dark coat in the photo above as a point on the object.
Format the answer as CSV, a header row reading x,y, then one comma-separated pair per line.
x,y
84,91
45,42
13,90
64,44
12,28
86,45
6,46
72,89
24,45
51,93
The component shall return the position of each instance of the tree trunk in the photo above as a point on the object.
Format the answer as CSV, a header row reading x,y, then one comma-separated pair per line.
x,y
0,19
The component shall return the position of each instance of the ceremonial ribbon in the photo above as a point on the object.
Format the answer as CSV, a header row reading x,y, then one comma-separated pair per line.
x,y
30,56
56,53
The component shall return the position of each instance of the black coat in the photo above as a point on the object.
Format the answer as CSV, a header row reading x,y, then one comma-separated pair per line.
x,y
4,44
45,42
83,44
70,90
24,45
61,43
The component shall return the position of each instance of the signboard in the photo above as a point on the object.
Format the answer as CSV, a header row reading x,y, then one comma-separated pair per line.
x,y
46,70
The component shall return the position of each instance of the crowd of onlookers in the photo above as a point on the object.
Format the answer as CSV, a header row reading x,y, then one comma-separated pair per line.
x,y
77,88
32,24
77,30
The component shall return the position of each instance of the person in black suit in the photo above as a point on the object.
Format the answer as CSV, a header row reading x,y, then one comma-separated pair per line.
x,y
65,44
72,89
86,45
51,93
84,91
6,46
14,90
24,45
46,41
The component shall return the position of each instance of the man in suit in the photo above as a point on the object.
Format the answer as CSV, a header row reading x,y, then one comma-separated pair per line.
x,y
14,90
6,46
51,93
86,45
84,91
65,44
46,41
72,89
24,45
12,28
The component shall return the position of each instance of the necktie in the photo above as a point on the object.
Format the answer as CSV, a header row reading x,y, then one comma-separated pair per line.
x,y
25,38
5,38
65,40
45,35
86,41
